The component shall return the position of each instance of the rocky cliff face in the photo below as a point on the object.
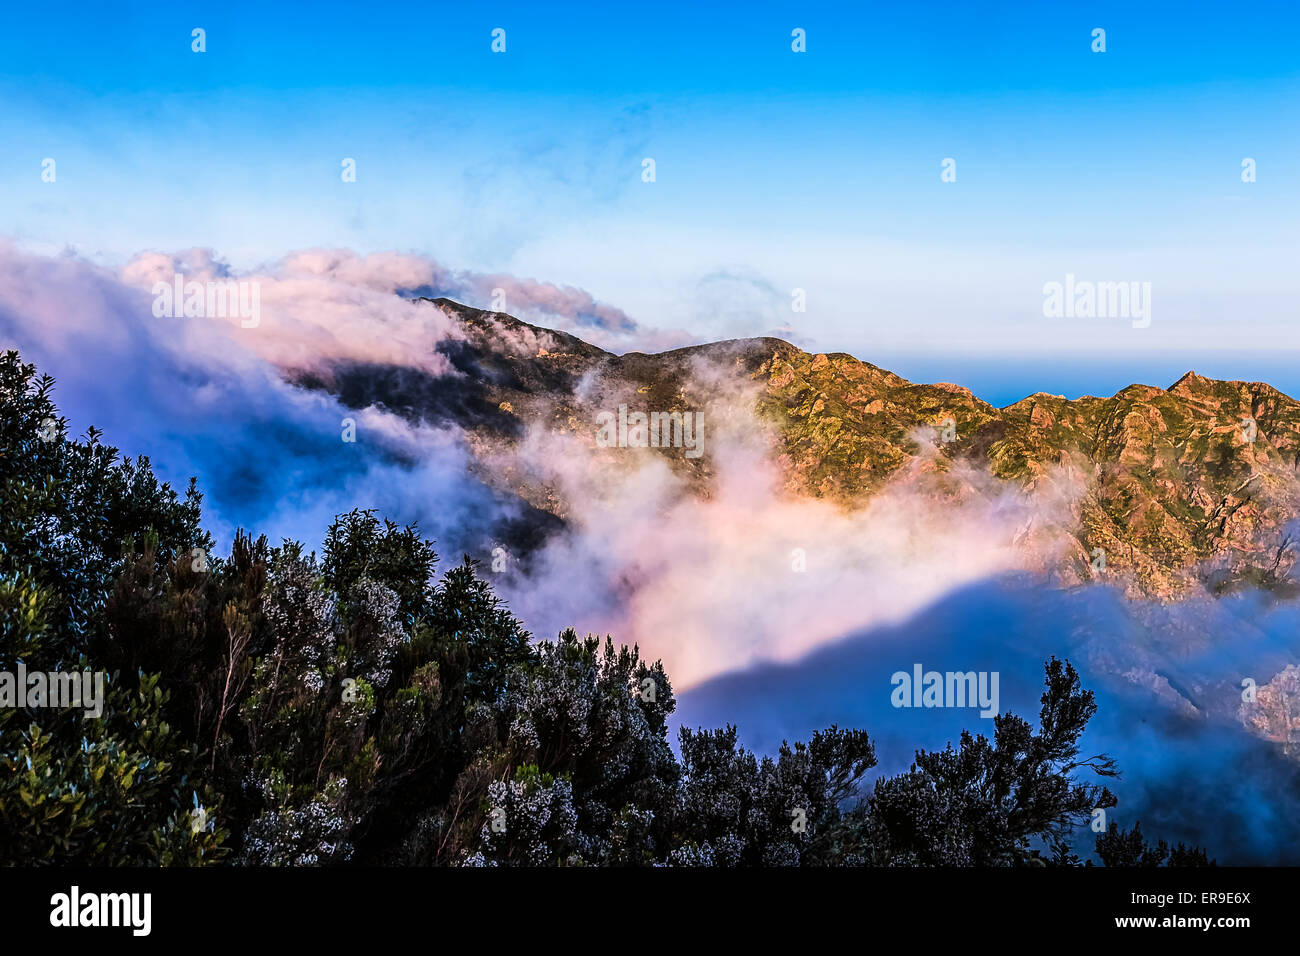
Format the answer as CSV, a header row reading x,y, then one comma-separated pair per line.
x,y
1194,484
1169,489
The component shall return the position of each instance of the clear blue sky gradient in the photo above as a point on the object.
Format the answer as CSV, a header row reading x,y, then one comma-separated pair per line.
x,y
775,170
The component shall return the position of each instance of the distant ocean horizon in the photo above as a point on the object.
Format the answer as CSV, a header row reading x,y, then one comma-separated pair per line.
x,y
1003,380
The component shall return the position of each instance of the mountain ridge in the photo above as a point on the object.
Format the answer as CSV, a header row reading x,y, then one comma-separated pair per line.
x,y
1191,486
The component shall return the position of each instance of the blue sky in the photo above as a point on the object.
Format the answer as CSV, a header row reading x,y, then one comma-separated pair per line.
x,y
775,170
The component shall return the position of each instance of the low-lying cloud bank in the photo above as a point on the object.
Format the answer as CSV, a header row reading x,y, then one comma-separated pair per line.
x,y
748,573
751,573
208,397
746,592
